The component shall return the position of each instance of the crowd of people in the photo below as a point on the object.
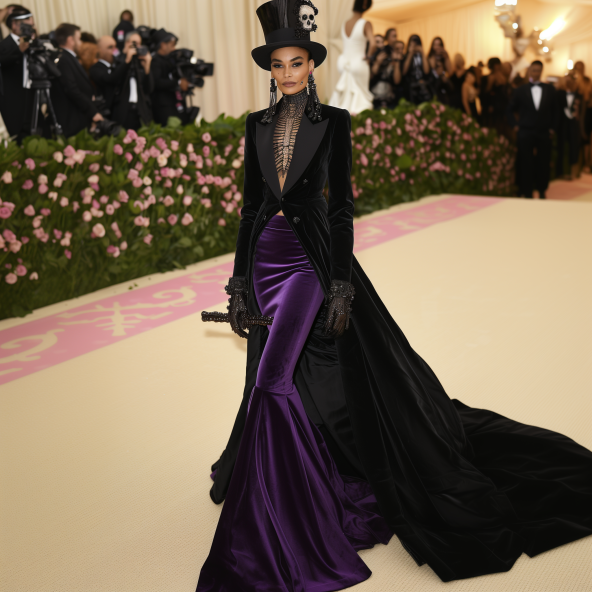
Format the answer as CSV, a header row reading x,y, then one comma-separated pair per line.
x,y
408,71
124,80
378,71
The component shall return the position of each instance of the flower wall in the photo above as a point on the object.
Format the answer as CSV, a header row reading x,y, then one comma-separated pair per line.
x,y
81,215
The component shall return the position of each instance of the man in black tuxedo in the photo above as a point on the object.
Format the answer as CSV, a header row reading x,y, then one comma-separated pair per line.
x,y
167,100
72,93
107,75
570,105
15,94
536,106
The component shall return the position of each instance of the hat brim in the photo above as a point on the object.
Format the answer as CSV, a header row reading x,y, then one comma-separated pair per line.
x,y
262,54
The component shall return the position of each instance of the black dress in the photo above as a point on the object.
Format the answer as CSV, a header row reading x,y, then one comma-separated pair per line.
x,y
465,490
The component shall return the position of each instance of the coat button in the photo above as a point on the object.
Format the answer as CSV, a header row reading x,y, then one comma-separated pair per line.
x,y
296,220
305,181
263,179
283,199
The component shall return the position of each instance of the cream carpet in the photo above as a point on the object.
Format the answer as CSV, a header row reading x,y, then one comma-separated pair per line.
x,y
104,459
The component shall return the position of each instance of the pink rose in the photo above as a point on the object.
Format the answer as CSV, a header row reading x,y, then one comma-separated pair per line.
x,y
94,167
68,254
221,222
237,196
9,235
123,196
21,270
179,189
64,202
28,184
174,145
58,156
11,278
206,137
168,201
45,211
113,250
30,164
69,151
206,151
187,200
34,276
53,195
110,210
364,159
117,149
206,201
137,182
148,239
75,206
29,210
128,157
172,219
24,239
123,246
57,233
99,230
7,177
5,212
139,220
187,219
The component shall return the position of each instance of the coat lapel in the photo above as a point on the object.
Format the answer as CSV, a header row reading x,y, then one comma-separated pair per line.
x,y
308,139
264,142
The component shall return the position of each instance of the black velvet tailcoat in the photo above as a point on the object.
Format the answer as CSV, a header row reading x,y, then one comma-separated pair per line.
x,y
465,490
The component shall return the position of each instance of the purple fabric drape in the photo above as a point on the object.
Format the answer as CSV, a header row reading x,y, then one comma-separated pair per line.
x,y
290,522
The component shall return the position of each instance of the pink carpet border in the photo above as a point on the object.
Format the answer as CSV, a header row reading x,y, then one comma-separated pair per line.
x,y
41,343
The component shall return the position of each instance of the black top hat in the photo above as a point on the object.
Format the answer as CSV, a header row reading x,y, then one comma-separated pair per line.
x,y
288,23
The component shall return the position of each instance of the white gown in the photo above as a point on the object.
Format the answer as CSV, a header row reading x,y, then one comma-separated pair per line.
x,y
352,91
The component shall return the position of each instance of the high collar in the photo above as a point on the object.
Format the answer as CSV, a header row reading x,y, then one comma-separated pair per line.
x,y
297,99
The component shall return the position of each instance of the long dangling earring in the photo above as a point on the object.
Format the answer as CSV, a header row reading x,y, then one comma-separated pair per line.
x,y
268,117
313,105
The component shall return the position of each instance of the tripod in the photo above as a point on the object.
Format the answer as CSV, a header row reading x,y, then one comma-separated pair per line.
x,y
41,96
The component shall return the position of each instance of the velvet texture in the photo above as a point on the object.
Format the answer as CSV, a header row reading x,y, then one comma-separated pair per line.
x,y
465,490
289,522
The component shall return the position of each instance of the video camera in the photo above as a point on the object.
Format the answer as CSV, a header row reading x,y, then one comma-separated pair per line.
x,y
41,56
191,68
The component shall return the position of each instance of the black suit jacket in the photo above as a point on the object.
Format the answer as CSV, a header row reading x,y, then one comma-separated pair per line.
x,y
72,95
145,85
322,151
108,80
530,119
14,100
164,100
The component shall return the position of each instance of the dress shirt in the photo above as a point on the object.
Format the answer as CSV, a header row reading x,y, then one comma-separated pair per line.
x,y
26,80
570,96
537,93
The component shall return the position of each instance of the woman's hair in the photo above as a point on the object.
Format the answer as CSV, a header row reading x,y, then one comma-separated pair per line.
x,y
87,37
432,50
127,12
362,5
415,38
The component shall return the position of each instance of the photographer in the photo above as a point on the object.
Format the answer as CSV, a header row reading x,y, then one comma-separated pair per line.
x,y
72,93
16,98
416,70
131,106
125,26
167,100
106,74
385,84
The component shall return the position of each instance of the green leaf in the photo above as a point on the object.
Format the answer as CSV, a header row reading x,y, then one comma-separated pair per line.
x,y
185,242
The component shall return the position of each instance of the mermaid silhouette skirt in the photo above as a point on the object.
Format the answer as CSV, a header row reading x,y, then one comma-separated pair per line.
x,y
290,522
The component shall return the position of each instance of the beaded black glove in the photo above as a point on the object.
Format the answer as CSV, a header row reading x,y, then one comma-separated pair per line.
x,y
237,304
338,309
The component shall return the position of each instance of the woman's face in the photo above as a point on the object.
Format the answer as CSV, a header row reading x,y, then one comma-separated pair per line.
x,y
437,46
470,78
290,67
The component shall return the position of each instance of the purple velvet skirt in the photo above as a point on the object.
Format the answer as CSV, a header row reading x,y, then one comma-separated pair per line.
x,y
290,522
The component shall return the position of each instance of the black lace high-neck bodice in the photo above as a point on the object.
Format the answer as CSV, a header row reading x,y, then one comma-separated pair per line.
x,y
284,137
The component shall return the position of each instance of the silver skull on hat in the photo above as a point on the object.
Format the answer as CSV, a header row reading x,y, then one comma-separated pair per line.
x,y
306,12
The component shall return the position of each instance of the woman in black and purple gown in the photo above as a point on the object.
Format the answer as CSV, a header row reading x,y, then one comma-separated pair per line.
x,y
345,436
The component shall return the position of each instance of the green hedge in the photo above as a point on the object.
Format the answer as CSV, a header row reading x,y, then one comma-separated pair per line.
x,y
79,215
